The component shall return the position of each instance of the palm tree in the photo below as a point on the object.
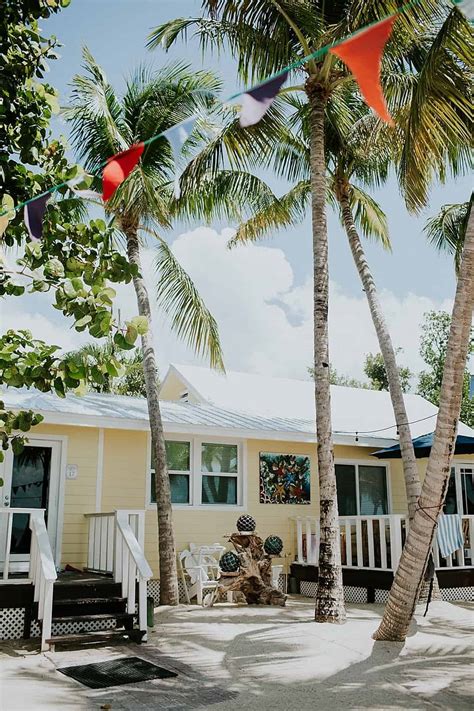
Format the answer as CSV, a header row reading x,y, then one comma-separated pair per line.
x,y
268,35
352,163
408,579
115,370
103,124
447,230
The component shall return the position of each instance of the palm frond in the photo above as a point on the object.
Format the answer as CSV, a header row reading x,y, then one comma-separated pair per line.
x,y
191,320
369,217
277,214
447,230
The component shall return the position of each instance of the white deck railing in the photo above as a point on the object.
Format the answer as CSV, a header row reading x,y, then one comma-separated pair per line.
x,y
116,546
375,542
42,569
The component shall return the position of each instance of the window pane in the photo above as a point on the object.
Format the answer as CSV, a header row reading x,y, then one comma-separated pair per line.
x,y
178,455
373,490
219,490
346,489
218,457
467,490
450,502
179,488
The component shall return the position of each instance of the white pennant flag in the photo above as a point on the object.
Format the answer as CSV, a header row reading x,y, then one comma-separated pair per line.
x,y
177,136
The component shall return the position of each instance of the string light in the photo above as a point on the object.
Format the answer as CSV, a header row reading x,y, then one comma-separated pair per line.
x,y
314,55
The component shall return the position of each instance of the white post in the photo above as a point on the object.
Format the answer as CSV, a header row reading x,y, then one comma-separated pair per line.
x,y
299,540
47,616
8,541
142,608
370,538
348,529
360,556
309,542
395,540
383,543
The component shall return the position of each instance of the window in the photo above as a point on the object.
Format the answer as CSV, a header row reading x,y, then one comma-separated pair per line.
x,y
202,473
460,494
219,473
178,460
361,490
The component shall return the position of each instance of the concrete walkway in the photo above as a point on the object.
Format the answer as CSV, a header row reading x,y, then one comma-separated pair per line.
x,y
236,657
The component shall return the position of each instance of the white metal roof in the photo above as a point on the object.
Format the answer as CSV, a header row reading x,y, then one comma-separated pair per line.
x,y
239,405
353,409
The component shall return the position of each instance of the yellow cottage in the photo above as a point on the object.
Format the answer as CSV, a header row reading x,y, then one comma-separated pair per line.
x,y
80,496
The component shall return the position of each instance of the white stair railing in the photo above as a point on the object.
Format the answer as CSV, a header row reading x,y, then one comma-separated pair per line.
x,y
131,564
42,573
116,546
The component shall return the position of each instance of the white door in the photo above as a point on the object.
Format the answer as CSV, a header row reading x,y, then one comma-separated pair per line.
x,y
31,480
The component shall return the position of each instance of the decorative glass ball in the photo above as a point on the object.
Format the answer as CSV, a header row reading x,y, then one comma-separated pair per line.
x,y
229,563
246,523
273,545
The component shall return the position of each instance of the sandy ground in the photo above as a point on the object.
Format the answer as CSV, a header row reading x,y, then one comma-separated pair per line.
x,y
235,657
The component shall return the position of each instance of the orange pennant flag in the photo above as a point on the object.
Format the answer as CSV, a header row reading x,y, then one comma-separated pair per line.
x,y
118,168
363,55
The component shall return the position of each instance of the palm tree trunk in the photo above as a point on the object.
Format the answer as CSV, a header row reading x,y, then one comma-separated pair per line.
x,y
409,576
410,469
166,543
330,595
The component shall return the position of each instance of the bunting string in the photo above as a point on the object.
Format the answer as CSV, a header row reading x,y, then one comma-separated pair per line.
x,y
361,51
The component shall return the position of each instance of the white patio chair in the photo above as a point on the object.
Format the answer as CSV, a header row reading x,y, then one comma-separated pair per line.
x,y
200,566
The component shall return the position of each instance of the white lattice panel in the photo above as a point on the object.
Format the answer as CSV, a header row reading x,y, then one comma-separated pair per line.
x,y
354,594
381,596
11,623
461,594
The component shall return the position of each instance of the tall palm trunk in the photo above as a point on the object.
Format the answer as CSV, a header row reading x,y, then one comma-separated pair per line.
x,y
410,469
167,549
330,596
409,576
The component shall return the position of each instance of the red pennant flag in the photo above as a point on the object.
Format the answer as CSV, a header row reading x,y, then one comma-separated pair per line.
x,y
118,168
363,55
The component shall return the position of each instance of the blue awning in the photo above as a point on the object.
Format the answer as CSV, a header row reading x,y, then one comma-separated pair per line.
x,y
422,446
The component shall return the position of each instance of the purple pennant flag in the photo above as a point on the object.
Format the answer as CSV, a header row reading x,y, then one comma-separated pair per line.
x,y
34,213
177,136
256,102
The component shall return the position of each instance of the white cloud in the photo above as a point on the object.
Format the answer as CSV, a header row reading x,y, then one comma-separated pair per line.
x,y
265,319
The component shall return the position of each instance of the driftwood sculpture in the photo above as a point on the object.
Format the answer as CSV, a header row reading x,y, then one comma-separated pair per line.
x,y
252,563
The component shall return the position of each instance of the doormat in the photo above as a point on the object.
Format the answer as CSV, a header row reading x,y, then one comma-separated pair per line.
x,y
125,670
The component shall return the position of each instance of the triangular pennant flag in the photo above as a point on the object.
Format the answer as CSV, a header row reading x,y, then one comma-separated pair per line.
x,y
118,168
467,7
363,55
177,136
34,213
84,194
256,102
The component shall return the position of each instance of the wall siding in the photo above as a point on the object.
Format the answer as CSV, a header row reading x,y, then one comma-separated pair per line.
x,y
124,484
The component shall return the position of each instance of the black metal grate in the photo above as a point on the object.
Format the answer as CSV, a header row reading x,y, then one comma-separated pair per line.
x,y
126,670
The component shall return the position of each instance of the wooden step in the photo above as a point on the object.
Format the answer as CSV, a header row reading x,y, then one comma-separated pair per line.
x,y
89,606
122,616
82,590
94,637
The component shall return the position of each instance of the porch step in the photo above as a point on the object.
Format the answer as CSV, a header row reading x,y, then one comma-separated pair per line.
x,y
89,606
120,617
95,637
73,590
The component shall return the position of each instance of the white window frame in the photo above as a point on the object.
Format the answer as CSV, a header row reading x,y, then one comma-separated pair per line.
x,y
457,466
195,473
364,463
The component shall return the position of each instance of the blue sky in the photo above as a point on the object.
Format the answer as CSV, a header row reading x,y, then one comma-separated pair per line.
x,y
414,277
